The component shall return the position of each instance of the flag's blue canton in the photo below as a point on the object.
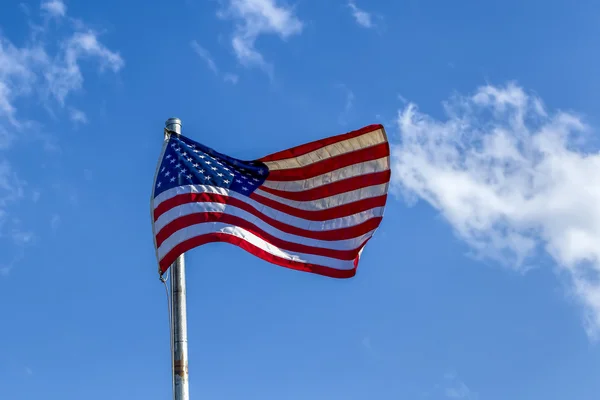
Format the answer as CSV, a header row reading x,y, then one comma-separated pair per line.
x,y
186,162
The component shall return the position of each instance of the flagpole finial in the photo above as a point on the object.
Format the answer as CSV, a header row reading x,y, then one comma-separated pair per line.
x,y
173,124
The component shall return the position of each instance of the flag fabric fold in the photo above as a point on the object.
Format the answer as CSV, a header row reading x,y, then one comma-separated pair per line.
x,y
310,208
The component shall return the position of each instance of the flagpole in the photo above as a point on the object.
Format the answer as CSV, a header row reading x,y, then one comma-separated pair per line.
x,y
181,389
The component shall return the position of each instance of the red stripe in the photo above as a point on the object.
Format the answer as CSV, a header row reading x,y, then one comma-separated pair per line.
x,y
341,211
318,144
331,163
334,234
199,218
331,189
189,244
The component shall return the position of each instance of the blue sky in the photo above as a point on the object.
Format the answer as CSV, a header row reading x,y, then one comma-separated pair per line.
x,y
482,282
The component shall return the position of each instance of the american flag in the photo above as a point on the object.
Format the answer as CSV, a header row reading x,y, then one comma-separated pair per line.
x,y
310,208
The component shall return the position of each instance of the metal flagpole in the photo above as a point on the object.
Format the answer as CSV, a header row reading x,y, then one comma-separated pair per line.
x,y
178,313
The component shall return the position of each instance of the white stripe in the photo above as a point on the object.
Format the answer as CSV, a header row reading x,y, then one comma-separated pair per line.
x,y
345,146
363,168
331,201
201,229
337,223
192,208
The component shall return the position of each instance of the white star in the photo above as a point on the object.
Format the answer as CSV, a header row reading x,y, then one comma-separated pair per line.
x,y
244,177
184,154
255,180
178,165
207,162
167,173
178,149
238,181
163,169
193,146
189,176
173,161
169,156
183,170
201,171
226,181
196,165
232,174
172,179
206,176
196,151
201,156
158,184
173,145
250,183
220,174
214,168
189,159
260,172
244,188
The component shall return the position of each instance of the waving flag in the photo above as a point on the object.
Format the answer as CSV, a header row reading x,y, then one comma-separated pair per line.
x,y
310,208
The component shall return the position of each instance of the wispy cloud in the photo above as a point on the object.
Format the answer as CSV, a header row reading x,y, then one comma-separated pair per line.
x,y
348,104
454,388
54,222
458,391
55,8
231,78
30,70
77,116
210,62
254,18
205,55
64,76
366,342
47,69
361,17
512,178
12,189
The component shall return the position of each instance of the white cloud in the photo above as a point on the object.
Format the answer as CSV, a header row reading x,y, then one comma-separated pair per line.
x,y
30,69
512,178
366,342
55,8
210,62
78,116
54,222
458,391
12,192
348,104
46,68
205,55
362,17
255,18
231,78
64,76
17,75
11,188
